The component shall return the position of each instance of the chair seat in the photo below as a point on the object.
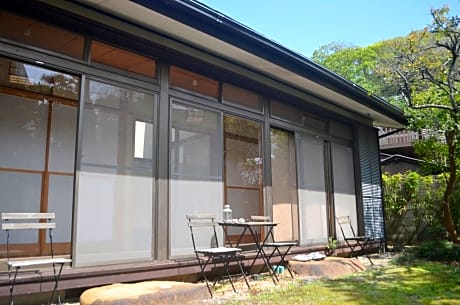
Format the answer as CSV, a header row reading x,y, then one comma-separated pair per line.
x,y
206,223
360,238
280,244
220,250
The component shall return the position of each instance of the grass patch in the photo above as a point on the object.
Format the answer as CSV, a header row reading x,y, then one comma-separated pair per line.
x,y
431,283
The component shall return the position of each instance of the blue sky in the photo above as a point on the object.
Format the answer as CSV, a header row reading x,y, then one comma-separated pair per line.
x,y
305,25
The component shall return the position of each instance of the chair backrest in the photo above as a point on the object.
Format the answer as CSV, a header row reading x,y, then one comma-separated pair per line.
x,y
208,223
27,221
264,218
346,227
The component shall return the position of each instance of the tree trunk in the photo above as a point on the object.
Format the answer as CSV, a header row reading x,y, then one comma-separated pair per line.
x,y
448,194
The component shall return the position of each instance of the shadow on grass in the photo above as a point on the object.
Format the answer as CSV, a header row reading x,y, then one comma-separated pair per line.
x,y
421,283
424,283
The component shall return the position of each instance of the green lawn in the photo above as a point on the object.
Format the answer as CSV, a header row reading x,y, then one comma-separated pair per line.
x,y
418,283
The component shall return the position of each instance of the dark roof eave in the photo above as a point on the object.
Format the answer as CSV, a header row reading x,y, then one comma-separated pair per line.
x,y
211,22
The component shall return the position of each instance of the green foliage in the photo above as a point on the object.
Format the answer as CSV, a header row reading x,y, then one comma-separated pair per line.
x,y
421,196
413,191
418,73
421,283
438,251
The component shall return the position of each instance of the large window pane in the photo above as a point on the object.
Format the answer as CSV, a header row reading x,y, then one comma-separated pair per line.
x,y
243,166
112,181
196,171
312,190
284,185
344,182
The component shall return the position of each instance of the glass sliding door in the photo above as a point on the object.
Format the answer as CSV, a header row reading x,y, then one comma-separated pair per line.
x,y
312,190
344,183
284,185
38,119
116,184
243,167
195,171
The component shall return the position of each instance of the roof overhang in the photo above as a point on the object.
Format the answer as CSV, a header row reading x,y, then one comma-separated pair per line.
x,y
197,25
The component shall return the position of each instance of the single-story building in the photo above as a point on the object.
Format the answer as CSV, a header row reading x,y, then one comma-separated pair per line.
x,y
123,116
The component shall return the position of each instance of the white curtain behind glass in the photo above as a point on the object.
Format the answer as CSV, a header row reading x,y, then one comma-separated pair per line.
x,y
196,175
311,188
115,188
344,182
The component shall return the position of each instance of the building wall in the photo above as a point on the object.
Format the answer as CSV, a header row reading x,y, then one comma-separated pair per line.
x,y
122,137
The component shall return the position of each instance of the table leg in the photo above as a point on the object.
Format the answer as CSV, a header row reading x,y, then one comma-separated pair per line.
x,y
261,252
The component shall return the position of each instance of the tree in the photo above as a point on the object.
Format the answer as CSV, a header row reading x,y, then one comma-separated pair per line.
x,y
365,66
427,70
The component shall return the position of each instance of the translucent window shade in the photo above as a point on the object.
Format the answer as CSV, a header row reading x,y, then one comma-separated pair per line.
x,y
194,82
29,31
284,184
111,181
242,97
122,59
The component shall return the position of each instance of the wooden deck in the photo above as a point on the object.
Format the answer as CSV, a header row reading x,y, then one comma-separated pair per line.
x,y
86,277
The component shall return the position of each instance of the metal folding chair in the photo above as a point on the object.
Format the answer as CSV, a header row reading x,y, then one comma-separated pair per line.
x,y
353,241
281,248
206,224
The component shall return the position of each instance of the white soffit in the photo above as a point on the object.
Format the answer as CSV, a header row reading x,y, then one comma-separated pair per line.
x,y
138,14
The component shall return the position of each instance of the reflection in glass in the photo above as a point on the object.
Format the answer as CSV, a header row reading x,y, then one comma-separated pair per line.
x,y
284,184
37,155
37,79
112,181
196,170
312,190
243,166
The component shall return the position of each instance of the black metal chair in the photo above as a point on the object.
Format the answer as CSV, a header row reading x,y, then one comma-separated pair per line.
x,y
281,248
206,224
354,241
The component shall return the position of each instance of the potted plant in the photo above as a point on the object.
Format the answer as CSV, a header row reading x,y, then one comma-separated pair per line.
x,y
332,244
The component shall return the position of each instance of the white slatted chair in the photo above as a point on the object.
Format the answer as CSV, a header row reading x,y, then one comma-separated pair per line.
x,y
32,221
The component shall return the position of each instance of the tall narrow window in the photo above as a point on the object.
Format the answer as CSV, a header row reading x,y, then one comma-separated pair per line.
x,y
344,182
312,190
196,170
115,178
284,184
38,119
243,166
